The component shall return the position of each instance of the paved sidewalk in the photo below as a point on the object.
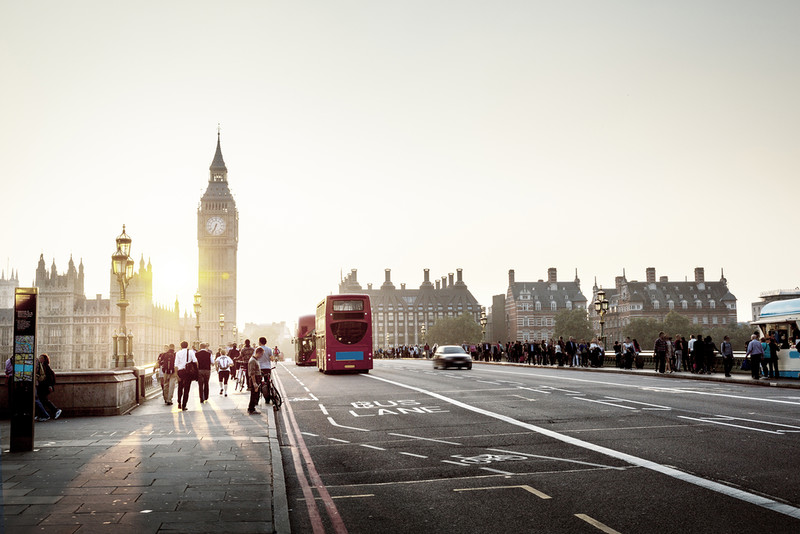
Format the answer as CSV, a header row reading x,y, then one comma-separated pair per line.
x,y
213,468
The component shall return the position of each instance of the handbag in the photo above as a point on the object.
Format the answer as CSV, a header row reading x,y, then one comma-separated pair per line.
x,y
746,364
191,368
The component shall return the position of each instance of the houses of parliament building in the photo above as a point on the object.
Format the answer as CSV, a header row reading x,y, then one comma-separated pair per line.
x,y
76,331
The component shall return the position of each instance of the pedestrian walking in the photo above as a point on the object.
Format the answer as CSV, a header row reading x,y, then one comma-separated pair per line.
x,y
169,375
726,349
223,365
754,351
660,353
186,366
203,371
265,364
46,387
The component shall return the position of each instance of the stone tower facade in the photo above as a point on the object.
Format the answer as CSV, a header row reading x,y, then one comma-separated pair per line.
x,y
217,240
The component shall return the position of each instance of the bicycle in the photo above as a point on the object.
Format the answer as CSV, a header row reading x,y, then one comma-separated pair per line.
x,y
272,393
241,379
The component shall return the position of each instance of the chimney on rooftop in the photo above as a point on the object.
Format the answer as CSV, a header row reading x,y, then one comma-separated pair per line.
x,y
510,276
552,275
651,275
449,279
699,275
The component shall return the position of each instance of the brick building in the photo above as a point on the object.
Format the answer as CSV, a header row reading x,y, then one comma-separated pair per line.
x,y
528,309
398,314
702,302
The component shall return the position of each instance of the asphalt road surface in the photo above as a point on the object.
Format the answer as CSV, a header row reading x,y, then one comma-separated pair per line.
x,y
405,448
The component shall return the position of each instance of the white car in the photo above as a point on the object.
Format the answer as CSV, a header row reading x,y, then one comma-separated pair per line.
x,y
451,356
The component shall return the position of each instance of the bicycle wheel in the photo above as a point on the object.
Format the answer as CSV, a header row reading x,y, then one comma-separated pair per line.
x,y
277,400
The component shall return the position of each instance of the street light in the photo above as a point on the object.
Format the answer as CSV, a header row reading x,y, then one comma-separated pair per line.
x,y
601,307
221,329
122,267
198,305
483,323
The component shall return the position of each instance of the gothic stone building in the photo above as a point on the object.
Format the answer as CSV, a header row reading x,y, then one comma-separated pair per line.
x,y
398,314
703,303
76,331
529,308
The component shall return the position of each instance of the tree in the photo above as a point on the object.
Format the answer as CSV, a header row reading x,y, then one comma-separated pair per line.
x,y
573,323
675,323
645,331
454,331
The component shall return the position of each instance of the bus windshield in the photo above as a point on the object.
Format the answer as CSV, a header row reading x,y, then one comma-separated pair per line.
x,y
348,305
349,332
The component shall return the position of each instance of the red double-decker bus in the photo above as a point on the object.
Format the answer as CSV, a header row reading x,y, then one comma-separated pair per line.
x,y
304,343
344,333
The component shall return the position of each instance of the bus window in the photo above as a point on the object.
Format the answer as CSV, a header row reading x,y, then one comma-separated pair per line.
x,y
349,332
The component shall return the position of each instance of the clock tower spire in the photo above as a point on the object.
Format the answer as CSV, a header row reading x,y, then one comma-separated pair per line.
x,y
217,240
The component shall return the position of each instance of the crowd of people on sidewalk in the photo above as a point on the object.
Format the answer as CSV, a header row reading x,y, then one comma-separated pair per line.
x,y
177,370
698,355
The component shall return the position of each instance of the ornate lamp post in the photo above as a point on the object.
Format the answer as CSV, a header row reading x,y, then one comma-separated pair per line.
x,y
483,324
198,306
122,267
601,307
221,329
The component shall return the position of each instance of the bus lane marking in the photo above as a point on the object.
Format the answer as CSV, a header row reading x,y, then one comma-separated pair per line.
x,y
371,447
559,459
334,423
425,439
507,473
525,487
597,524
651,406
729,491
339,440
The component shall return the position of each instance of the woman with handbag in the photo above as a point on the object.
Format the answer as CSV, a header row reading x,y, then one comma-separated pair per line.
x,y
186,364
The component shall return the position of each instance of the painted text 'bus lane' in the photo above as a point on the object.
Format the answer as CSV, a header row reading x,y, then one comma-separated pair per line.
x,y
400,407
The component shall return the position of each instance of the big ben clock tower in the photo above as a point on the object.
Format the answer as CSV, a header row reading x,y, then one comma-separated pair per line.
x,y
217,241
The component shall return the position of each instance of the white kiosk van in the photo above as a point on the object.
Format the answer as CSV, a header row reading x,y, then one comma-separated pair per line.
x,y
782,318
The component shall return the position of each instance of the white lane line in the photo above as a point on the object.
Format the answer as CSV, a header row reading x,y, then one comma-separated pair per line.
x,y
309,434
424,439
324,411
334,423
313,397
414,455
535,390
372,447
648,388
745,496
496,471
597,524
454,463
606,403
339,440
652,406
558,459
716,422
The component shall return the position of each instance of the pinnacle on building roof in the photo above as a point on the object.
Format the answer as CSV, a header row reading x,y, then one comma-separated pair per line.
x,y
218,164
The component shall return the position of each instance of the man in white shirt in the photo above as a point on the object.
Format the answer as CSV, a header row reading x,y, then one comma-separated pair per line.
x,y
265,363
183,357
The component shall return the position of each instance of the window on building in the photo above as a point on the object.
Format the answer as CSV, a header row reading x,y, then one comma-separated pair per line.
x,y
684,305
538,306
671,305
712,304
553,306
656,305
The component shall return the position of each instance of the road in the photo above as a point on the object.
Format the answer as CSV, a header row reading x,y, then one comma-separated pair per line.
x,y
405,448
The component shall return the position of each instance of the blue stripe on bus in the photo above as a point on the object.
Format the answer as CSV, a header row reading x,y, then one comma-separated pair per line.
x,y
349,356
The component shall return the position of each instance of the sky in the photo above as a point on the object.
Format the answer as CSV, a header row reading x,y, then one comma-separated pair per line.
x,y
487,136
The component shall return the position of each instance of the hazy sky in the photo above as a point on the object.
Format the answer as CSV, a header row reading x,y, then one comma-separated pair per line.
x,y
374,134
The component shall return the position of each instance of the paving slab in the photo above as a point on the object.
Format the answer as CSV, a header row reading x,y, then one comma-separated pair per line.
x,y
157,469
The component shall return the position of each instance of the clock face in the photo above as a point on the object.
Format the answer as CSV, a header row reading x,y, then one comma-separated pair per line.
x,y
215,225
